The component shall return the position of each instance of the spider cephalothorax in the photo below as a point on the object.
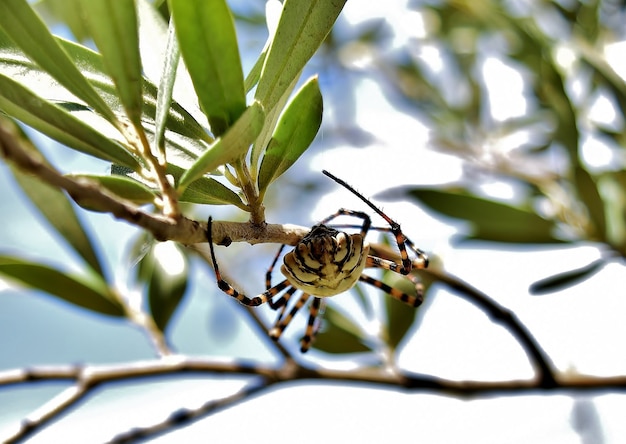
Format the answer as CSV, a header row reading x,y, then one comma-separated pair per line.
x,y
327,262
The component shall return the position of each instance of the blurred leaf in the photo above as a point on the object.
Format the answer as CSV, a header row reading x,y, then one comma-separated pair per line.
x,y
167,281
208,43
339,335
567,279
399,316
294,133
588,193
122,186
55,206
113,26
490,220
67,12
231,147
21,24
88,291
302,28
59,124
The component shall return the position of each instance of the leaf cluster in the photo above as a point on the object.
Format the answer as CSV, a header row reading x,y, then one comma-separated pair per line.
x,y
126,104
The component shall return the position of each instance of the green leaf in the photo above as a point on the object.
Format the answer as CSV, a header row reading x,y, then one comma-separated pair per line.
x,y
567,279
232,146
113,26
89,291
339,335
66,11
59,212
490,220
208,191
302,28
208,43
588,192
15,65
21,24
59,124
167,281
121,186
166,88
294,133
399,316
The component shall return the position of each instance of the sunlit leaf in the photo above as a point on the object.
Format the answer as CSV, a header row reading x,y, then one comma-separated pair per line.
x,y
566,279
166,88
21,24
302,28
55,206
59,124
15,65
88,291
167,282
340,335
122,186
231,147
294,133
113,26
208,44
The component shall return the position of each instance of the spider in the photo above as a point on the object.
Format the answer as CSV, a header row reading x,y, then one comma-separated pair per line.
x,y
325,263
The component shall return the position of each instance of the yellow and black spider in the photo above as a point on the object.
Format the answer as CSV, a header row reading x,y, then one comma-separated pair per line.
x,y
327,262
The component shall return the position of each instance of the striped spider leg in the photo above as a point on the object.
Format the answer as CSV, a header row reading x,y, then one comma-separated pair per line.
x,y
325,263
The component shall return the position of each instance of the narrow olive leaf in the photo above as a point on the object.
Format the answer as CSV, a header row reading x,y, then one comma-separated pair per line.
x,y
271,120
339,335
59,124
88,291
208,191
113,26
232,146
21,24
490,220
16,66
121,186
166,88
294,133
302,28
56,207
67,12
208,44
168,282
588,192
567,279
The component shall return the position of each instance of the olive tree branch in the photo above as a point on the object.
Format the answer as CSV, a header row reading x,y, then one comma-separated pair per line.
x,y
497,313
87,378
180,229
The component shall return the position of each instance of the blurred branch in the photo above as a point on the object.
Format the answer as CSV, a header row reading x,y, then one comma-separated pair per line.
x,y
20,152
495,311
86,378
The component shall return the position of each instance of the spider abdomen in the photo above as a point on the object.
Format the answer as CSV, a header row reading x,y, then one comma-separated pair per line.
x,y
326,261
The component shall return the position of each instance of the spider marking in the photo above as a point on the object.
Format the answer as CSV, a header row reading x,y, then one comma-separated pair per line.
x,y
325,263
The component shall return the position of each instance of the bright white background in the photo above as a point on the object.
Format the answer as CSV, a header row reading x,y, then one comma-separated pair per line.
x,y
581,328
